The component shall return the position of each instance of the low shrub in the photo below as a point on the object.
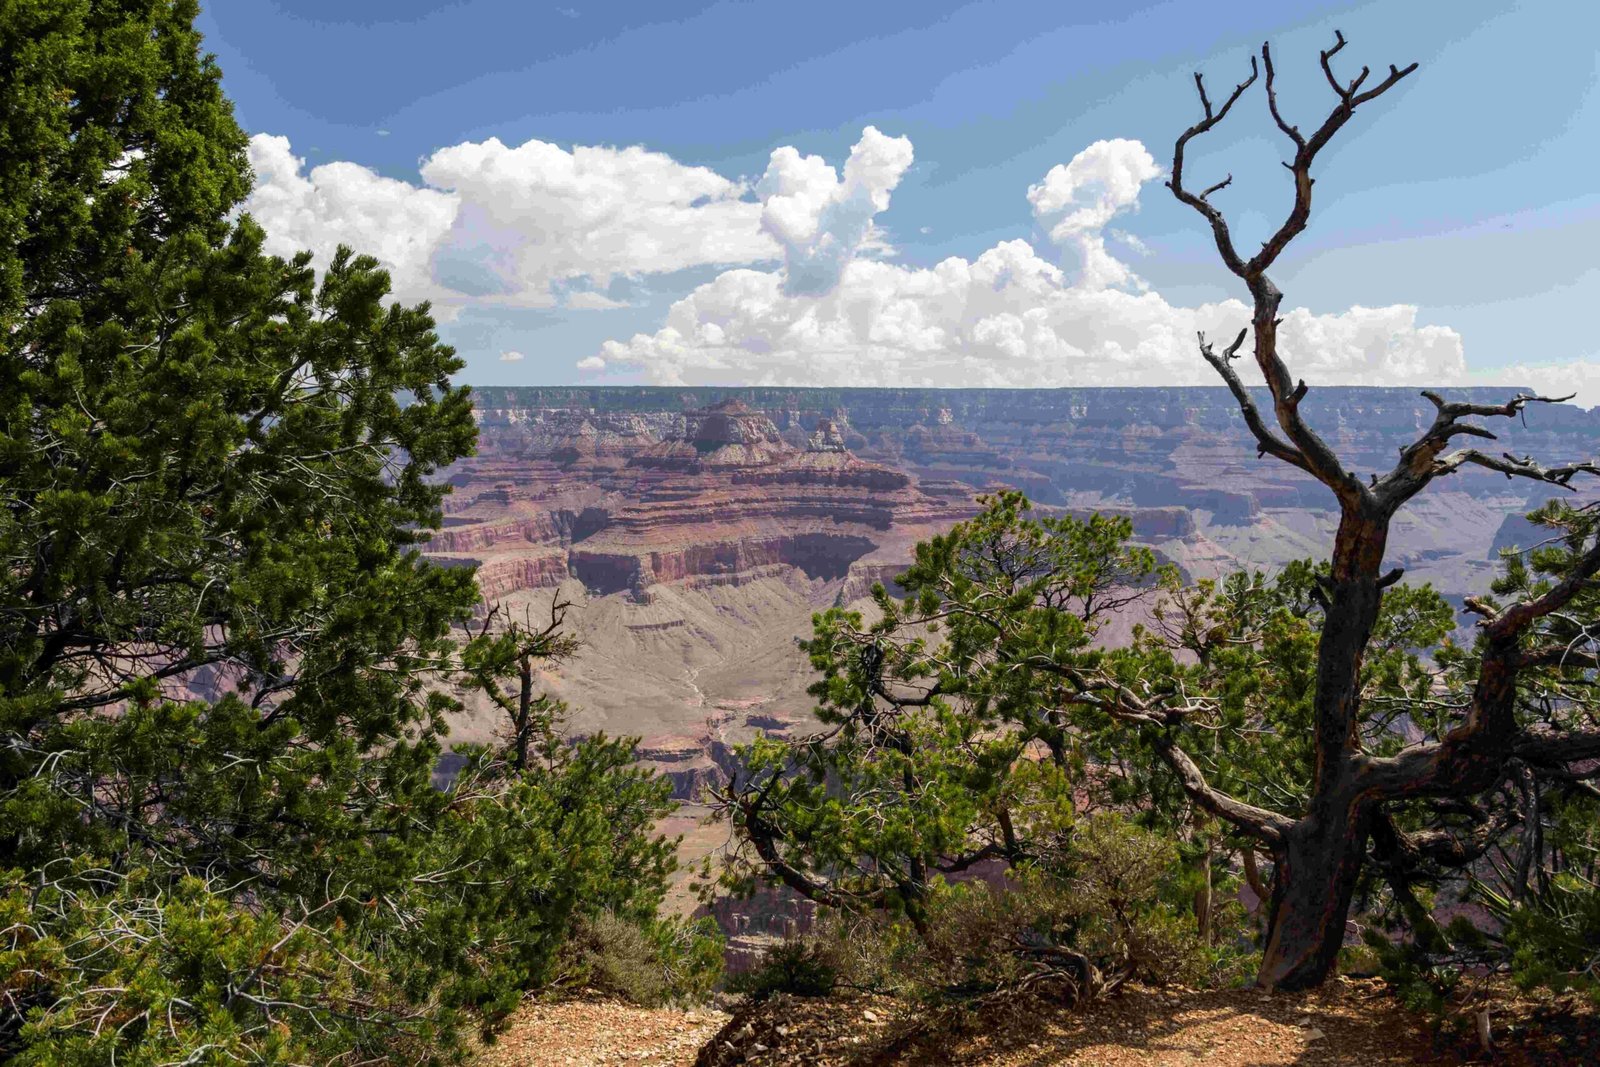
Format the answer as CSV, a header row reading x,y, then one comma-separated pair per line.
x,y
660,962
1074,932
804,966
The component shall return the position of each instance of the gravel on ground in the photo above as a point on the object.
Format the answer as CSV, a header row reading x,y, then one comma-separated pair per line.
x,y
586,1033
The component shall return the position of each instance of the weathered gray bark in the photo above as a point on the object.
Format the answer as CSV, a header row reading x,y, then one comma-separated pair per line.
x,y
1318,856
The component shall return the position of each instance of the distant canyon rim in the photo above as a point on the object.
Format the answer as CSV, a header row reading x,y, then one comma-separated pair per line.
x,y
696,530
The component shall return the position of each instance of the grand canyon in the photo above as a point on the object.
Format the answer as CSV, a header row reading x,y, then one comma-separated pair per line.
x,y
740,535
696,530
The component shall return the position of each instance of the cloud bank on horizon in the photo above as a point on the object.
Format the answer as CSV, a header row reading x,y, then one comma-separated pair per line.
x,y
809,290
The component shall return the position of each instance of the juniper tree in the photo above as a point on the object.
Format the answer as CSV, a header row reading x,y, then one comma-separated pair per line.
x,y
1326,716
979,718
1320,850
975,720
935,758
222,653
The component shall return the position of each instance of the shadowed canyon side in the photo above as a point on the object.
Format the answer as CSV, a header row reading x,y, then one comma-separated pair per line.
x,y
697,530
696,544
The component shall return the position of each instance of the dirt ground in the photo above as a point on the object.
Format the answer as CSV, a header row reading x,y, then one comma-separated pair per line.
x,y
584,1033
1235,1028
1347,1023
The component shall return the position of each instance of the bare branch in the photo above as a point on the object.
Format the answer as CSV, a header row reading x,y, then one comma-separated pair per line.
x,y
1327,56
1293,132
1516,467
1458,409
1267,442
1303,448
1265,826
1307,149
1420,461
1470,757
1556,750
1219,225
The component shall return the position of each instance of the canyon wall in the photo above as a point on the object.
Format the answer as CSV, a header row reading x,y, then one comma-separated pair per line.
x,y
696,531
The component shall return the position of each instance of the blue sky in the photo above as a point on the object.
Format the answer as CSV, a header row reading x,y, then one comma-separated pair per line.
x,y
1466,194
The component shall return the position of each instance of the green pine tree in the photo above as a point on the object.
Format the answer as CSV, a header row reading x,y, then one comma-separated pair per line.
x,y
221,651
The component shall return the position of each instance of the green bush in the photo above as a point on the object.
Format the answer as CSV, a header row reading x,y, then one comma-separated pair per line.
x,y
1539,926
1073,932
224,661
808,966
660,962
505,884
101,967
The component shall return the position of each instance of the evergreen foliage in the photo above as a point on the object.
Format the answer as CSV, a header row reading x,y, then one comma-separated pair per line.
x,y
977,724
222,656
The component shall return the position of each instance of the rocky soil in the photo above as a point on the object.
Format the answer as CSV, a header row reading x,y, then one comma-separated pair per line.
x,y
590,1033
1234,1028
1351,1022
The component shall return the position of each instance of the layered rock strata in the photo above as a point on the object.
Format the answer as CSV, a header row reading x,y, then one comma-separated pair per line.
x,y
696,531
715,496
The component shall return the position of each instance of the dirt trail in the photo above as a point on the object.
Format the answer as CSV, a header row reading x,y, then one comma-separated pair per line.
x,y
585,1033
1348,1023
1142,1026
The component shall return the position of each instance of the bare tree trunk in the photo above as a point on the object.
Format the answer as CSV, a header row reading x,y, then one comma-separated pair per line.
x,y
1352,596
1317,867
1203,897
1319,854
524,724
1319,860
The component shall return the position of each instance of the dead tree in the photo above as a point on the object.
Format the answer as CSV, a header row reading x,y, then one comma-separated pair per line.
x,y
1319,855
501,645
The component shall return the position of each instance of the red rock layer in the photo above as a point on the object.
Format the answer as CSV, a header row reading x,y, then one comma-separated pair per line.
x,y
714,496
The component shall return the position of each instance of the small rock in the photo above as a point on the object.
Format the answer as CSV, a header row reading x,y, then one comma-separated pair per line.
x,y
870,1015
1314,1034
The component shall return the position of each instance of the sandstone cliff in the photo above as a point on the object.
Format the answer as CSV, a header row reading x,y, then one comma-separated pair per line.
x,y
697,530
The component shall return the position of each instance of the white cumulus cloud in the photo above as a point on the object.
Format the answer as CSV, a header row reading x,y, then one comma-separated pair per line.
x,y
511,357
342,203
824,221
536,215
535,224
1010,317
1076,201
517,226
814,296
